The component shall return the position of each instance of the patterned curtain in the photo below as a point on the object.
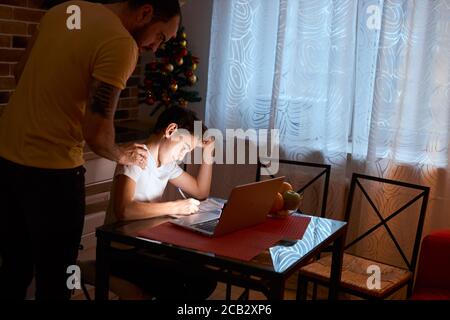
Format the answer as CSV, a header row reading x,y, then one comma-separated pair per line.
x,y
362,85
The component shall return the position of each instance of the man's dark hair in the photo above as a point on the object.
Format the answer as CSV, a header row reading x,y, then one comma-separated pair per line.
x,y
183,117
164,10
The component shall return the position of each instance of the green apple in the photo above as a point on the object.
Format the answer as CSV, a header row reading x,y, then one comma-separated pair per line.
x,y
291,200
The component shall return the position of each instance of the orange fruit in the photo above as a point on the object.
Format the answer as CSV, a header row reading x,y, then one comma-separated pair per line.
x,y
278,203
282,213
285,186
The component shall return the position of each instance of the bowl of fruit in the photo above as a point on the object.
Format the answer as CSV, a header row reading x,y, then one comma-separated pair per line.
x,y
286,201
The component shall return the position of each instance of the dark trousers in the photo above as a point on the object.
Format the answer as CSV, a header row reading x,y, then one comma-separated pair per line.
x,y
41,221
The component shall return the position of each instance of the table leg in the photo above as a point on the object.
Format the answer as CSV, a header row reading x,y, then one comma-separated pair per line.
x,y
336,266
102,269
276,290
228,289
302,288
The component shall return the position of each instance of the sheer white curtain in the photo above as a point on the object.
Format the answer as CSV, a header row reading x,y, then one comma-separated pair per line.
x,y
286,65
402,112
362,85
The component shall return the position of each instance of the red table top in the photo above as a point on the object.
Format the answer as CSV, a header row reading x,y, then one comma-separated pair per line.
x,y
243,244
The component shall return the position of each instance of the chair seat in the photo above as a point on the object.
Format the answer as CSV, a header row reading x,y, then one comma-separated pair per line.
x,y
431,294
354,275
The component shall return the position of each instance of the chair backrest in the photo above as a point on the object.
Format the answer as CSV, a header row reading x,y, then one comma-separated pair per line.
x,y
324,171
423,194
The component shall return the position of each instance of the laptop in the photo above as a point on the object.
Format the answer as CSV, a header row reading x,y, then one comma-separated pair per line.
x,y
247,205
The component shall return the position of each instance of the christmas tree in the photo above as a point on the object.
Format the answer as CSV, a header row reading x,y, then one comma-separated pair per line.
x,y
169,77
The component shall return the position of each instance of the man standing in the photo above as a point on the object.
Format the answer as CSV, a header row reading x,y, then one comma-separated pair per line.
x,y
68,86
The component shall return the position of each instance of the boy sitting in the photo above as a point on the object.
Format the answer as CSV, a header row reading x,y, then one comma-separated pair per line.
x,y
137,193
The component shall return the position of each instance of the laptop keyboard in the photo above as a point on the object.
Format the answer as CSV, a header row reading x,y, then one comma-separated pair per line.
x,y
210,205
208,226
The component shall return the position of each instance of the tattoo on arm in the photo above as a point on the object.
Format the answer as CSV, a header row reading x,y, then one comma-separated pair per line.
x,y
104,98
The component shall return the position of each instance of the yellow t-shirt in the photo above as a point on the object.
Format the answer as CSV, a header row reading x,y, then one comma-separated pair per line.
x,y
42,123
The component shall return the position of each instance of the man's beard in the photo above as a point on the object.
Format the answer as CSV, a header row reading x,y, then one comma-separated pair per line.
x,y
138,33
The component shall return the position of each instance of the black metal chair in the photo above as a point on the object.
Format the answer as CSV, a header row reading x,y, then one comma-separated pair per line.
x,y
355,271
324,171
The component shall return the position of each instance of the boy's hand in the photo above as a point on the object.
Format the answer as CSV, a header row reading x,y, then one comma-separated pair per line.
x,y
186,207
208,150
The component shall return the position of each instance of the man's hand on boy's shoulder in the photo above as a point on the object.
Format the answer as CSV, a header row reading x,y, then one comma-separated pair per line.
x,y
134,154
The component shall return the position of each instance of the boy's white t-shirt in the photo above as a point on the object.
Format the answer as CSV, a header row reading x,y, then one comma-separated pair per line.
x,y
150,183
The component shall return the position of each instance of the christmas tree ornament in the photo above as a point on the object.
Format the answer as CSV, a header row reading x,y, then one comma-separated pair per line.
x,y
169,67
193,79
150,101
180,61
184,52
188,73
194,66
165,98
183,103
174,86
183,35
183,43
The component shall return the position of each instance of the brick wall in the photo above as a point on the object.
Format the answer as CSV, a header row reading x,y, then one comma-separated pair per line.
x,y
18,21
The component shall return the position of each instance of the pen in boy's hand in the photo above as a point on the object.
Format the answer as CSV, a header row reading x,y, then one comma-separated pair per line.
x,y
182,193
